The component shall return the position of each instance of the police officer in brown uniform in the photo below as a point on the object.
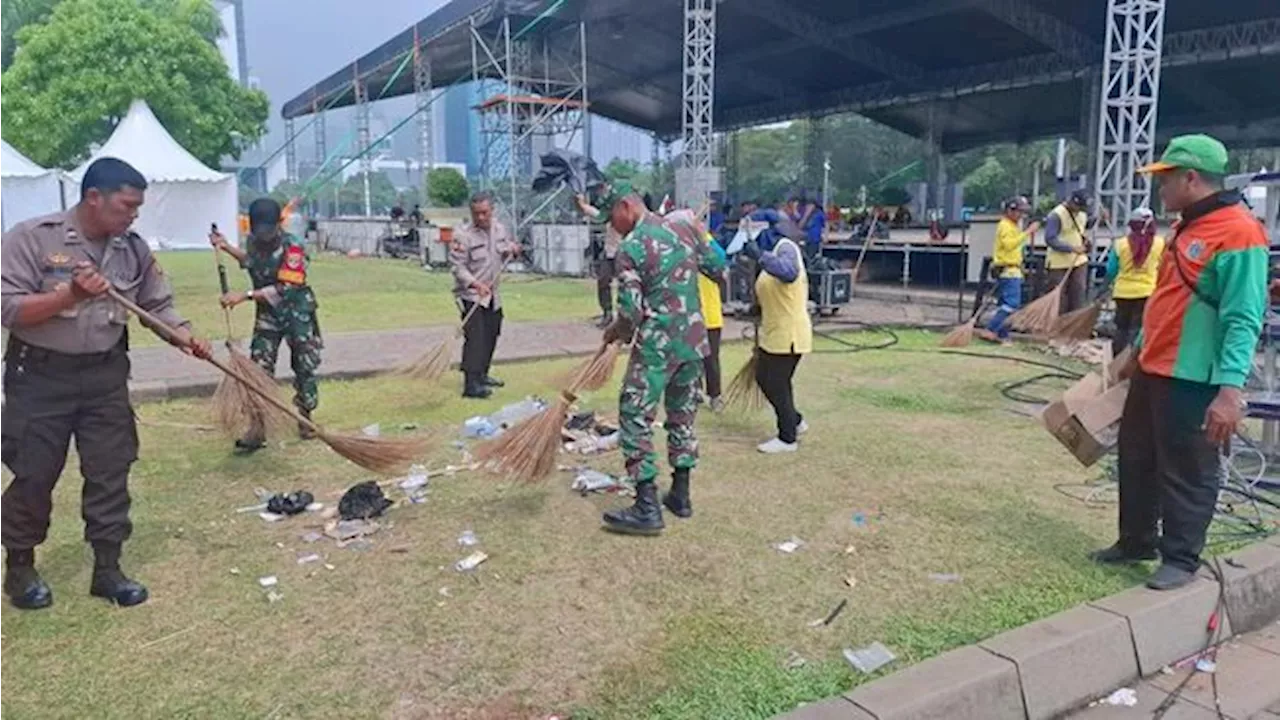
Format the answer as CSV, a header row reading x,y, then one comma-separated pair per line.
x,y
479,251
66,371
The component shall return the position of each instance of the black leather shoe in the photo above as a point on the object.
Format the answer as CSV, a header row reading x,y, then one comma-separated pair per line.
x,y
477,392
1168,577
491,381
114,586
1117,555
642,518
677,501
26,589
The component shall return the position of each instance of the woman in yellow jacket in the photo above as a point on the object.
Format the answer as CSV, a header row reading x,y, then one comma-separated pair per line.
x,y
785,335
1132,265
713,316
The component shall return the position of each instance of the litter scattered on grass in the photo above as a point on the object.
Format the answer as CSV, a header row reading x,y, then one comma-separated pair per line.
x,y
851,581
312,536
362,501
290,504
344,530
274,597
1124,697
831,616
868,659
328,566
359,545
308,558
235,571
944,578
588,481
794,661
789,546
374,430
268,581
1205,665
471,562
468,539
271,517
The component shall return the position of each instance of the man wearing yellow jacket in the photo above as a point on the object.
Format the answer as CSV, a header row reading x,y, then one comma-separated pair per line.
x,y
1006,263
1064,233
1132,265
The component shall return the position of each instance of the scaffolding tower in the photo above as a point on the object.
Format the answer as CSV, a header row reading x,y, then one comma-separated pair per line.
x,y
422,99
534,90
1128,98
290,154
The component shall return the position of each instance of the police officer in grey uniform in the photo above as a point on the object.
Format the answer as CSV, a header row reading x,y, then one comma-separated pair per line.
x,y
479,251
66,371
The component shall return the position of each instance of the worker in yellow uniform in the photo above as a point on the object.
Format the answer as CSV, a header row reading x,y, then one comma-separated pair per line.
x,y
713,317
1006,266
1132,266
1068,256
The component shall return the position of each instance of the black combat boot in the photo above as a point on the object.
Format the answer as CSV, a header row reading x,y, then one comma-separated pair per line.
x,y
1119,554
677,501
305,431
474,387
22,583
642,518
109,581
490,381
255,438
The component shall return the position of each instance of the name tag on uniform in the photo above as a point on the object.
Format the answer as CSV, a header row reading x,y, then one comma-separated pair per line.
x,y
293,269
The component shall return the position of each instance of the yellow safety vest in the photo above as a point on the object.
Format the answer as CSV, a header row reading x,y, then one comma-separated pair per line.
x,y
1072,233
1136,282
785,328
709,294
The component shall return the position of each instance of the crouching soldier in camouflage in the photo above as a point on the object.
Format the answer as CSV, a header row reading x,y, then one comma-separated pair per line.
x,y
658,300
286,310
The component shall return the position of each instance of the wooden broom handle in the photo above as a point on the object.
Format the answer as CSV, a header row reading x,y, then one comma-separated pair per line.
x,y
171,335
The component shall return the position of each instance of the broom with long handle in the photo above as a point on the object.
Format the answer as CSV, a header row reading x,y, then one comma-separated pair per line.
x,y
236,409
1040,316
381,455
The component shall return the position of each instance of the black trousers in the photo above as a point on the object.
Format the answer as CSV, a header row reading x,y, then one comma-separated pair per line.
x,y
49,399
1128,322
1168,469
1073,294
480,339
606,269
711,364
773,375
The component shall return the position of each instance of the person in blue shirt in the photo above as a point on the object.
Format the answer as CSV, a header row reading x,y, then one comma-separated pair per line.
x,y
768,237
812,221
715,218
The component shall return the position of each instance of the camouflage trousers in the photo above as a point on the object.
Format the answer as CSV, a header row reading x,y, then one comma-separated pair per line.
x,y
646,384
304,357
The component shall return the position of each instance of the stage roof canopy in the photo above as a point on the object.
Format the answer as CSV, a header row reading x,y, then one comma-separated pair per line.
x,y
988,70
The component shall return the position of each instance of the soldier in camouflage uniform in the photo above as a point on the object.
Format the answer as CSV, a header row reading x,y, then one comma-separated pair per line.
x,y
286,309
658,266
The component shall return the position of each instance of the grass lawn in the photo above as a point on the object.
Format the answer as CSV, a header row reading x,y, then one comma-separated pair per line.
x,y
565,618
366,294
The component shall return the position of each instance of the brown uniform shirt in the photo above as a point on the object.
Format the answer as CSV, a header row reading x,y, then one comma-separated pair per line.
x,y
40,254
477,255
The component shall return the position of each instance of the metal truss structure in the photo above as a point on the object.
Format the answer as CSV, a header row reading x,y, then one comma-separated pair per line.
x,y
1127,107
422,101
698,88
361,88
319,132
535,97
290,153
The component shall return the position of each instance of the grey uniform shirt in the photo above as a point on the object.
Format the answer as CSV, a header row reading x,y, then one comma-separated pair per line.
x,y
40,254
477,255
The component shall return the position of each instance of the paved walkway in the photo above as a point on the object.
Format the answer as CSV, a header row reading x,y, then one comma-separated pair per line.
x,y
162,372
1248,675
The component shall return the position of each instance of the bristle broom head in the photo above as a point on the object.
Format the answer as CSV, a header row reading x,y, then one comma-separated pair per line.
x,y
743,393
383,455
431,365
527,452
594,372
235,406
961,335
1077,324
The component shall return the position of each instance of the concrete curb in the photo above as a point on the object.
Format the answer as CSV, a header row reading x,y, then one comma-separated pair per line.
x,y
160,390
1051,666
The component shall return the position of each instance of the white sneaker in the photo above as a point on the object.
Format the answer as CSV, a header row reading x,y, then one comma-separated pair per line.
x,y
776,446
803,427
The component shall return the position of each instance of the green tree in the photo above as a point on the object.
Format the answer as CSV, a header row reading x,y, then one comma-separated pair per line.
x,y
619,169
382,194
78,72
988,183
447,187
17,14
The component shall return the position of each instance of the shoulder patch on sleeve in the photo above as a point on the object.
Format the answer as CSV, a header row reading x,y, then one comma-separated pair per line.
x,y
293,267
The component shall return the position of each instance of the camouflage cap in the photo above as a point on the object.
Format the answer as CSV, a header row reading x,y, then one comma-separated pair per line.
x,y
615,192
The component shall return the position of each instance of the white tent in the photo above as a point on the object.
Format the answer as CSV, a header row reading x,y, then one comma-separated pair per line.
x,y
183,195
26,189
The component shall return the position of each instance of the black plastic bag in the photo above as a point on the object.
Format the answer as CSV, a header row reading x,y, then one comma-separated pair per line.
x,y
577,171
291,504
363,501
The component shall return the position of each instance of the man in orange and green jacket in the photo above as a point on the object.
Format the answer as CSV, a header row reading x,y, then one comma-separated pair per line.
x,y
1193,355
